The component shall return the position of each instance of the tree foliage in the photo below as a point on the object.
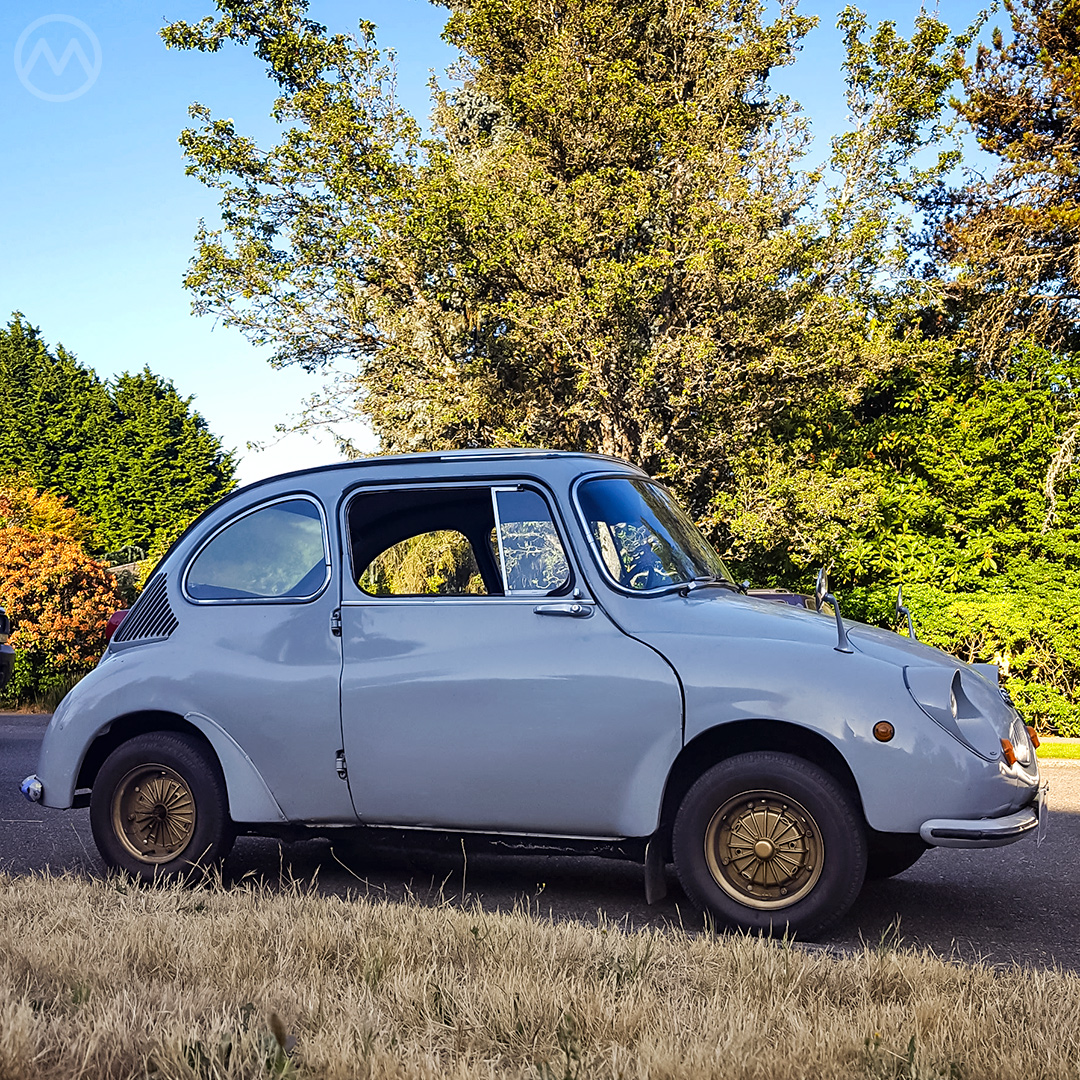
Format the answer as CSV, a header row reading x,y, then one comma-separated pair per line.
x,y
57,597
609,243
1011,240
131,455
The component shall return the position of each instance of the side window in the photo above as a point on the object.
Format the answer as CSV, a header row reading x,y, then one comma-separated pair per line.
x,y
437,563
423,542
275,553
530,553
473,540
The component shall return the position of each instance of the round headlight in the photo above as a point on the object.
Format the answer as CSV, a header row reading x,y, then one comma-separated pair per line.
x,y
1021,740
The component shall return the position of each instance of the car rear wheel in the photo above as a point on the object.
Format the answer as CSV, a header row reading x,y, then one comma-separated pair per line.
x,y
770,842
159,808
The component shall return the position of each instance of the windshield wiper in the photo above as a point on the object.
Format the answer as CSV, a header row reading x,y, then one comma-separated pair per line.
x,y
710,582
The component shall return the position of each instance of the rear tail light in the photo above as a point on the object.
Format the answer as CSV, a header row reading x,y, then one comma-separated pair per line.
x,y
115,619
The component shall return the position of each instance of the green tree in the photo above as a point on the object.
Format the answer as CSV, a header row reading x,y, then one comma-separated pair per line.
x,y
609,243
165,466
1009,242
132,455
54,416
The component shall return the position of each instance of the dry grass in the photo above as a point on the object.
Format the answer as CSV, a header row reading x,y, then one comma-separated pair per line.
x,y
102,979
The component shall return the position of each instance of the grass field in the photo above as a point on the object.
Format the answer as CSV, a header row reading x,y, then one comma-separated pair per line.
x,y
102,979
1059,749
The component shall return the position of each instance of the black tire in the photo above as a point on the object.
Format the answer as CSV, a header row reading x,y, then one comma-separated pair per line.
x,y
159,809
809,860
892,854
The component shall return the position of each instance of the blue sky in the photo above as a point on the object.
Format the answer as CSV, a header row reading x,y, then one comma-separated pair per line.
x,y
98,216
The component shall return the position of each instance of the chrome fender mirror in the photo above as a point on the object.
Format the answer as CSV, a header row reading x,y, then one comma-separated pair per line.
x,y
822,596
821,588
903,613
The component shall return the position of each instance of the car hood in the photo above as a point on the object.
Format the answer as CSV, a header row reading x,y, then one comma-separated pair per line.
x,y
716,613
717,639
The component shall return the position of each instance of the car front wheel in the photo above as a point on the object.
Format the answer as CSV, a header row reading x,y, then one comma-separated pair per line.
x,y
158,807
770,842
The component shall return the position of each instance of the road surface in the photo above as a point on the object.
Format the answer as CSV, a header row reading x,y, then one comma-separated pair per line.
x,y
1018,904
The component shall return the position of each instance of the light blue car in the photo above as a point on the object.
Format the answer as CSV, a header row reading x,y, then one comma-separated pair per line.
x,y
532,644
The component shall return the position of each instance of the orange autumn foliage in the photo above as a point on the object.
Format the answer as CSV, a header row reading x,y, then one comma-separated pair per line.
x,y
21,504
58,597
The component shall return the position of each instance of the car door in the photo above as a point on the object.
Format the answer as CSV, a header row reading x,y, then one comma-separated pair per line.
x,y
482,685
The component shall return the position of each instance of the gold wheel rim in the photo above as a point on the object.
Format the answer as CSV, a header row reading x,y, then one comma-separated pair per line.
x,y
153,813
764,849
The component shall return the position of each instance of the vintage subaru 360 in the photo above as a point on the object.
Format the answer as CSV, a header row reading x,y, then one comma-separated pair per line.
x,y
528,643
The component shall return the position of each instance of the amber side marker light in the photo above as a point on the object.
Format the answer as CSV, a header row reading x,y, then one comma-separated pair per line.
x,y
883,731
1008,751
1034,737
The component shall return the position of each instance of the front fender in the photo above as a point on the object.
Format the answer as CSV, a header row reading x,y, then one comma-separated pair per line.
x,y
923,772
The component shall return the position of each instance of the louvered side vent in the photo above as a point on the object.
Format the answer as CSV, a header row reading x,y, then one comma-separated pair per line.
x,y
151,619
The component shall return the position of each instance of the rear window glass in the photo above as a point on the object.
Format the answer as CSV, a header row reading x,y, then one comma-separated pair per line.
x,y
276,552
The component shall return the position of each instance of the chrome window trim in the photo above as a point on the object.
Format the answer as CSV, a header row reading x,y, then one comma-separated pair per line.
x,y
480,601
493,485
299,496
595,552
499,534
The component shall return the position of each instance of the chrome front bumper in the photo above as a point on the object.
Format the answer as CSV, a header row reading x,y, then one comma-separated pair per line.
x,y
987,832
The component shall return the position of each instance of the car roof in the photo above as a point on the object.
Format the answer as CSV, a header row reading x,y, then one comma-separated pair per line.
x,y
443,457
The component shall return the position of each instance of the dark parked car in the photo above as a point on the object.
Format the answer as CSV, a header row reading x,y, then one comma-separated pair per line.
x,y
7,653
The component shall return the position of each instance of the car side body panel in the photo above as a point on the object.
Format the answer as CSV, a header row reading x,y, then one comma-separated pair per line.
x,y
112,693
750,659
484,714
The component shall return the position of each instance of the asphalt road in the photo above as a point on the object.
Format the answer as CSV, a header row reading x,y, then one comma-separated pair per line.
x,y
1019,904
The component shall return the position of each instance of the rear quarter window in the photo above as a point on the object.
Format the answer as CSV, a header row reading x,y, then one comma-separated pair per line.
x,y
275,552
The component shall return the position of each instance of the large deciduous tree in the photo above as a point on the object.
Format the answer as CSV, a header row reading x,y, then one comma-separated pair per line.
x,y
1010,239
608,242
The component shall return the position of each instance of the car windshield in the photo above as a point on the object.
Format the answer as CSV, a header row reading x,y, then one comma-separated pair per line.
x,y
644,537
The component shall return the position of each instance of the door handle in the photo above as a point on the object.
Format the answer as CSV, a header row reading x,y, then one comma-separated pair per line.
x,y
566,611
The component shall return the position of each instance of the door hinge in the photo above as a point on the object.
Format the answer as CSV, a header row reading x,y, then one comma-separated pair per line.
x,y
335,622
339,762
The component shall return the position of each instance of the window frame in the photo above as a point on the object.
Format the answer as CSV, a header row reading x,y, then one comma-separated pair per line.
x,y
496,490
492,485
299,496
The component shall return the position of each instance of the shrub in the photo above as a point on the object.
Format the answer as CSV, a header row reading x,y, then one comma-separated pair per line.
x,y
58,598
1031,630
22,505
